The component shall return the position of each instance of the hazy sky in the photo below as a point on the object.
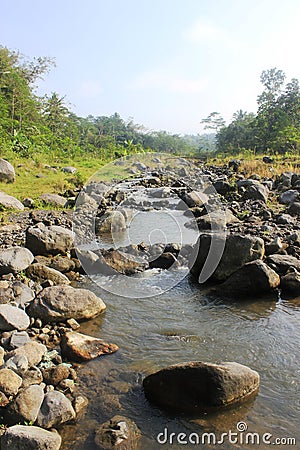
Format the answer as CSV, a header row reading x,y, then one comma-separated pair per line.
x,y
166,63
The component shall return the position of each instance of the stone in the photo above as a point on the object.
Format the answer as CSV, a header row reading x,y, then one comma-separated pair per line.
x,y
62,264
23,294
7,172
10,382
32,376
116,261
58,303
80,403
9,202
234,164
81,347
164,261
3,401
55,410
199,386
222,187
274,246
13,318
22,437
291,283
253,278
254,191
53,199
289,197
118,432
267,160
195,198
54,375
18,338
282,263
239,249
28,202
14,259
34,352
42,240
2,353
216,220
69,169
17,363
39,272
109,222
294,209
27,404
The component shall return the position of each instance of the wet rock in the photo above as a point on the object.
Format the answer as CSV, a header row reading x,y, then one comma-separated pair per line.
x,y
54,375
164,261
118,432
291,283
121,262
289,197
80,347
238,250
198,386
39,272
53,199
9,202
14,259
282,263
80,403
7,172
22,437
55,410
13,318
109,222
10,382
58,303
42,240
34,352
162,192
27,403
251,279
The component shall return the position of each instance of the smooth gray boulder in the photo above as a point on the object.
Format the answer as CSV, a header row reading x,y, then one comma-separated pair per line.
x,y
26,405
22,437
13,318
53,199
9,202
14,259
42,240
288,197
199,386
58,303
7,172
55,410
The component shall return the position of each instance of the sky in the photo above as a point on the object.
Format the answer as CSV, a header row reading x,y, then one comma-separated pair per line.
x,y
165,63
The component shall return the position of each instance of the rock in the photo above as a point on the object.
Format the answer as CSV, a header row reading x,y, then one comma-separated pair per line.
x,y
274,246
42,240
3,401
80,347
253,278
222,187
267,160
28,202
115,260
239,250
294,209
62,263
79,404
32,376
195,198
69,169
109,222
140,166
7,172
22,437
39,272
289,197
9,202
291,283
34,352
27,403
10,382
17,363
55,410
253,190
285,219
2,353
13,318
164,261
162,192
216,220
54,375
14,259
234,164
18,338
282,263
22,294
198,386
58,303
118,432
53,199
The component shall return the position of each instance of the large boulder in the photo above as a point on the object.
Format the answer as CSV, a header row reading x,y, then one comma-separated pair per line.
x,y
198,386
13,318
291,283
33,351
289,197
14,259
22,437
58,303
55,410
282,263
109,222
118,432
27,404
238,250
7,172
41,273
53,199
216,220
42,240
195,198
9,202
80,347
251,279
113,261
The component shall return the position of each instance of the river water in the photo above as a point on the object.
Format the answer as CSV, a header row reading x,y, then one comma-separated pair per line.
x,y
181,324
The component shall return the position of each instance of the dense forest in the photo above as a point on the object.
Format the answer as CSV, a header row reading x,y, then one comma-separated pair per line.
x,y
31,124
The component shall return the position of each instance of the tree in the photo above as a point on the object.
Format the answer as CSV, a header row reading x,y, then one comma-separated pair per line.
x,y
214,121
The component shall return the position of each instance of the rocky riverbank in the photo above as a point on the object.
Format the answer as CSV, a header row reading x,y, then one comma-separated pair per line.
x,y
42,304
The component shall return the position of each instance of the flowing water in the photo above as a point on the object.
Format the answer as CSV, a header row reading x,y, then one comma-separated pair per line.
x,y
182,324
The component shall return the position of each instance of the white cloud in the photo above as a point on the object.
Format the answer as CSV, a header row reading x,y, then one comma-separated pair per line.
x,y
204,31
162,80
90,88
